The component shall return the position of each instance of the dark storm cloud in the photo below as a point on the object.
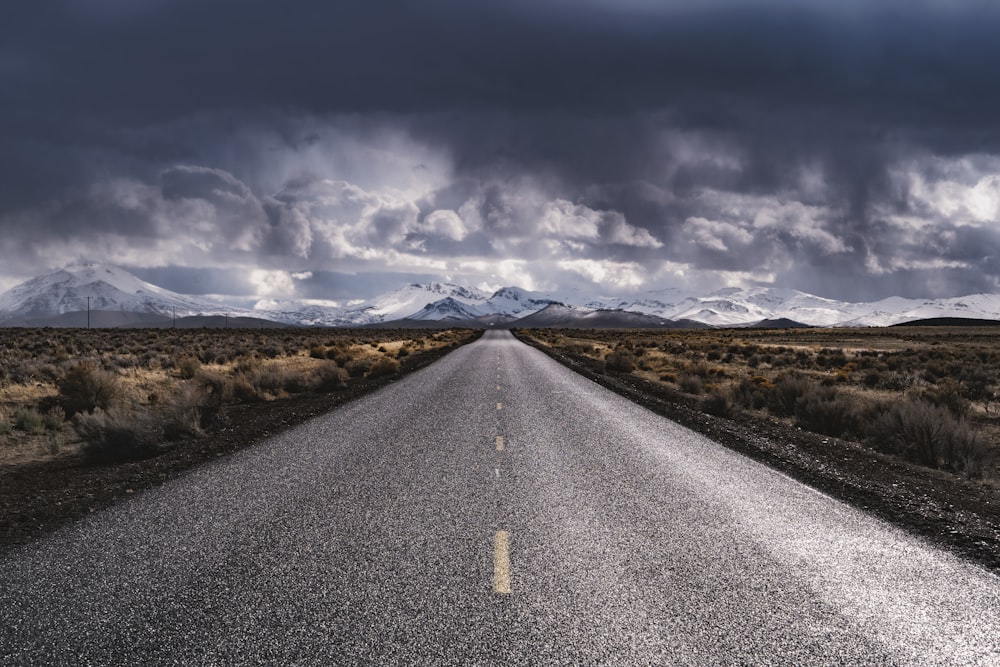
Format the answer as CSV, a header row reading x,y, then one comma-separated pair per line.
x,y
778,140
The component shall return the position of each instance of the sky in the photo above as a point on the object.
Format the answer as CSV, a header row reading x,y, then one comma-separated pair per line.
x,y
308,149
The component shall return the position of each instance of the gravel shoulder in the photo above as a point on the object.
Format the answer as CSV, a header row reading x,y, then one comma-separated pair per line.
x,y
960,515
38,498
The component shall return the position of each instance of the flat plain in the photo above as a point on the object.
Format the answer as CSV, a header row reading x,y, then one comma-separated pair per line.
x,y
395,529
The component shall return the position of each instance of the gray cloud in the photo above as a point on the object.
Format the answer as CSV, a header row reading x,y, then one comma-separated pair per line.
x,y
848,149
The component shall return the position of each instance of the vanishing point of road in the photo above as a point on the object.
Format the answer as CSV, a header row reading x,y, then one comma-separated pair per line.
x,y
492,509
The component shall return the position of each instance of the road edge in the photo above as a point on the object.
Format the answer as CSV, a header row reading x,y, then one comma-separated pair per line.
x,y
934,505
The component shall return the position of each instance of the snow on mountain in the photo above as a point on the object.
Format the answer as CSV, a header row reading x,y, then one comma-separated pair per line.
x,y
447,308
517,302
114,290
109,289
733,306
897,310
395,305
654,302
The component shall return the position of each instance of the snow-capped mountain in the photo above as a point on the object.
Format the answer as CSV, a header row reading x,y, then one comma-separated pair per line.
x,y
897,310
734,306
46,299
654,302
518,302
398,304
109,288
447,308
434,301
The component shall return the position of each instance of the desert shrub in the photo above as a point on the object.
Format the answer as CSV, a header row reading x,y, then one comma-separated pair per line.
x,y
243,390
691,384
29,421
827,412
383,367
749,395
358,367
317,352
582,349
784,395
197,405
294,381
872,379
699,369
668,377
86,386
327,377
183,412
54,418
718,403
947,395
266,380
828,358
621,361
114,437
343,356
927,434
272,351
187,366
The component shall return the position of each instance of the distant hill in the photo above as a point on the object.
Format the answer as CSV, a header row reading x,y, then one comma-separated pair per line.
x,y
117,298
949,322
559,315
112,296
779,323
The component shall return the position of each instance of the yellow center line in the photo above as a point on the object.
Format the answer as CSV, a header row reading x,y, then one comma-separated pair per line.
x,y
499,406
499,443
501,563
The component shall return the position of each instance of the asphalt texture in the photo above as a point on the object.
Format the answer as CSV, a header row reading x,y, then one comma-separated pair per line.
x,y
399,529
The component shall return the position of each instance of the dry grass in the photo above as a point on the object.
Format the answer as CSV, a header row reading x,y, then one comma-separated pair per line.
x,y
172,383
840,382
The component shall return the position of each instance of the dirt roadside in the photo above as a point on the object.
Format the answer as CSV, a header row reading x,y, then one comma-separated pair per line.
x,y
36,499
960,515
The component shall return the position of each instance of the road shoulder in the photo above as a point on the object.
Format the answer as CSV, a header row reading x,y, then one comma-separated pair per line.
x,y
954,513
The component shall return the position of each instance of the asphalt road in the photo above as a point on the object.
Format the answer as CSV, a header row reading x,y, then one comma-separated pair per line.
x,y
493,508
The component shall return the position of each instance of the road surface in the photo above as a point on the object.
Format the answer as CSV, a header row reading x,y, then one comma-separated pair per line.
x,y
493,508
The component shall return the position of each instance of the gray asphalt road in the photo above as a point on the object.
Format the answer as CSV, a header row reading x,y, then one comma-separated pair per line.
x,y
494,508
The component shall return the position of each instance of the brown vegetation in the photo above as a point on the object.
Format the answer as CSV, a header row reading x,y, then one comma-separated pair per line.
x,y
119,395
927,395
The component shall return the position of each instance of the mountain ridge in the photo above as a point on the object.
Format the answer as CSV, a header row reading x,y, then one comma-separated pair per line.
x,y
53,298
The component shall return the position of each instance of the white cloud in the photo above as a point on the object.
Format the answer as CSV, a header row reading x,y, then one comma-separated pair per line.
x,y
961,191
498,273
444,223
715,235
272,283
803,222
563,219
622,275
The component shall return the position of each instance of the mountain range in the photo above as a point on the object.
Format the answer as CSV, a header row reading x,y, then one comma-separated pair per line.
x,y
118,298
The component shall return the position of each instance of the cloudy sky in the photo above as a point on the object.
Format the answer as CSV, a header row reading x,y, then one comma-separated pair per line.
x,y
334,150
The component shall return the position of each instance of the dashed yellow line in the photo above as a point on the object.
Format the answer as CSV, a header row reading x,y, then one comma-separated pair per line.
x,y
499,443
501,563
499,406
